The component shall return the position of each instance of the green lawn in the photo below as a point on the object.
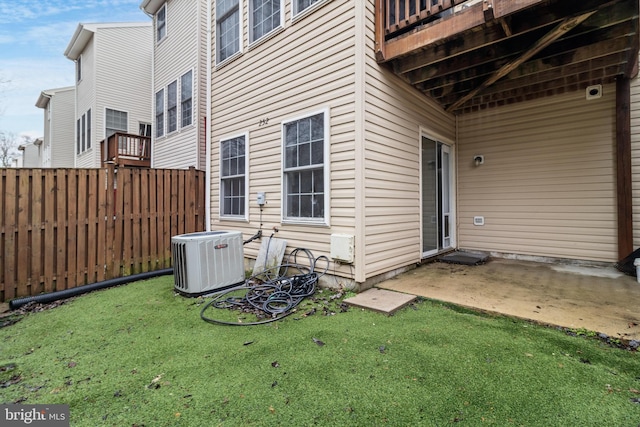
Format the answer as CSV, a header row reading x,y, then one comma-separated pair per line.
x,y
138,355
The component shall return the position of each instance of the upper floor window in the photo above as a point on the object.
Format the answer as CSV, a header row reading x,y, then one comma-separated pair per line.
x,y
144,129
300,6
83,132
116,121
186,99
161,23
264,17
233,161
159,113
172,106
227,29
304,169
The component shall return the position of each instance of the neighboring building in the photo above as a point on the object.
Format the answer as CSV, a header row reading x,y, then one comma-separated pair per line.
x,y
179,82
59,124
31,154
113,85
414,136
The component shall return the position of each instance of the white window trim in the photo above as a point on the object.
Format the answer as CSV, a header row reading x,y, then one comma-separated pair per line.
x,y
215,31
326,221
296,16
193,100
164,114
120,111
166,27
166,108
268,35
244,218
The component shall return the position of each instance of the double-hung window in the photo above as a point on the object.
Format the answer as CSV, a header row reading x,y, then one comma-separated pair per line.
x,y
186,99
83,132
264,17
172,106
160,113
116,121
233,162
227,29
300,6
305,143
161,23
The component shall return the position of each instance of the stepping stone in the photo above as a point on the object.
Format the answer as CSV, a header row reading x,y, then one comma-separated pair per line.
x,y
380,300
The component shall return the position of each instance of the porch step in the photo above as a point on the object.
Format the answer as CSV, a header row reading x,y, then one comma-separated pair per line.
x,y
466,258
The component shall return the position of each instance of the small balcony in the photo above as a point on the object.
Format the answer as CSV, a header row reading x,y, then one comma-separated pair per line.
x,y
126,149
473,54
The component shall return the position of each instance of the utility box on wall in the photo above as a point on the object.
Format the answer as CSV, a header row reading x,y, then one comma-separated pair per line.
x,y
343,248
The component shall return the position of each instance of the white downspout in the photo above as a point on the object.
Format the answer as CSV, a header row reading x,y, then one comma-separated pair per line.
x,y
207,196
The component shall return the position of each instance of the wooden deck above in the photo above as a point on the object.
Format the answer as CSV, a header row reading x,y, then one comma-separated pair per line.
x,y
126,149
474,54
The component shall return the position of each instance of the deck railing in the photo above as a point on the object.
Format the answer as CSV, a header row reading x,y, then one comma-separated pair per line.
x,y
127,150
401,14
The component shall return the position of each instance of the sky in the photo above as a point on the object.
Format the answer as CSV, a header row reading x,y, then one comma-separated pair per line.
x,y
33,37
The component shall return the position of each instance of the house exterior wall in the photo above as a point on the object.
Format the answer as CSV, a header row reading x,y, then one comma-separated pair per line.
x,y
375,123
395,117
635,158
30,155
547,185
85,100
123,83
297,71
183,49
59,129
116,74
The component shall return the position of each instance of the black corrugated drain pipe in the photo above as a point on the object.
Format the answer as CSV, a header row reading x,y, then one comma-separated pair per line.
x,y
68,293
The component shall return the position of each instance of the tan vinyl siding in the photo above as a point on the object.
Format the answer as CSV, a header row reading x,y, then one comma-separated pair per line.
x,y
547,185
124,77
394,116
182,50
299,70
635,157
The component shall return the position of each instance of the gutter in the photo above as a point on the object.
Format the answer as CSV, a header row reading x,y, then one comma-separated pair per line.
x,y
207,133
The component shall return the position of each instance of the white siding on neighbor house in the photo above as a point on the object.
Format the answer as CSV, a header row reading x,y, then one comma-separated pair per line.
x,y
395,113
635,158
123,82
307,67
85,99
547,185
61,133
179,52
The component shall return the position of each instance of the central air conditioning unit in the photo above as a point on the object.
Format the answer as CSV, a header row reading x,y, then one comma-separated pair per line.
x,y
206,262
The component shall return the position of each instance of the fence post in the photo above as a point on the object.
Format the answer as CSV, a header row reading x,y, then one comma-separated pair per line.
x,y
110,223
190,206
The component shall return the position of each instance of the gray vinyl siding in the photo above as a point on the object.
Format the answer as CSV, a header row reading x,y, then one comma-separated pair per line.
x,y
635,157
117,75
182,50
394,115
129,87
547,185
85,99
298,71
62,140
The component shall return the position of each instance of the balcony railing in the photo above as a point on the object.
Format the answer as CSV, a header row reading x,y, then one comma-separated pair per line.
x,y
126,149
401,14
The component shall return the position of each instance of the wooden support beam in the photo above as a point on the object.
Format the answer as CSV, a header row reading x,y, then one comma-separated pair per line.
x,y
564,27
487,9
623,167
380,13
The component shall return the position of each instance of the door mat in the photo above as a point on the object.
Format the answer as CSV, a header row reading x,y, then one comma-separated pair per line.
x,y
465,258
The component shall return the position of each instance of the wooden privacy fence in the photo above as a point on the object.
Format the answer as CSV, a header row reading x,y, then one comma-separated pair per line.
x,y
62,228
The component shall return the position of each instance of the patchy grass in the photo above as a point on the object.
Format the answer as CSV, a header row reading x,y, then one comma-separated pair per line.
x,y
139,355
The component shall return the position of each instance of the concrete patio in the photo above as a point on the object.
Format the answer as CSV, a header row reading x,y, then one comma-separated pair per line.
x,y
598,299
